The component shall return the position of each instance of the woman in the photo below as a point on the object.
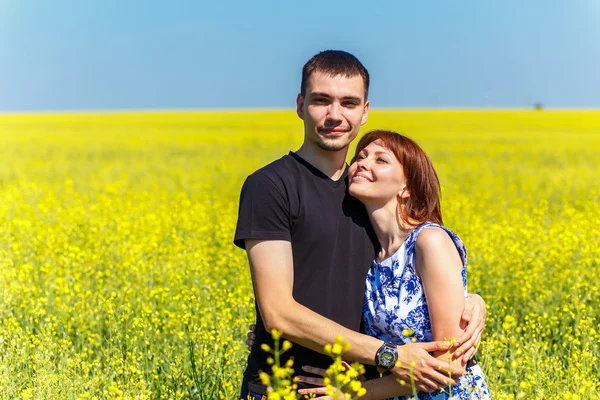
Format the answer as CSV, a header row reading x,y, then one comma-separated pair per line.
x,y
415,289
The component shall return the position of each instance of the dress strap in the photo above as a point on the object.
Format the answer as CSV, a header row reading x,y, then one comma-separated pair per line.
x,y
460,246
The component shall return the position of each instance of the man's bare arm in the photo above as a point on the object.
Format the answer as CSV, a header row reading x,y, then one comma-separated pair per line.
x,y
271,263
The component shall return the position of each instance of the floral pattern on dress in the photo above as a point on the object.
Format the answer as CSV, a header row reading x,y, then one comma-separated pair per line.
x,y
395,301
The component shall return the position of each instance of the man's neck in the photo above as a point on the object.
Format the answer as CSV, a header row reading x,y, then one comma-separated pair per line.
x,y
331,163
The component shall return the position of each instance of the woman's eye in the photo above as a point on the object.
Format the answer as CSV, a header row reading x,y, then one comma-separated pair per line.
x,y
382,160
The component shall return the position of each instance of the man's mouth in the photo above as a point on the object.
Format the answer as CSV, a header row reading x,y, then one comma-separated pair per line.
x,y
333,131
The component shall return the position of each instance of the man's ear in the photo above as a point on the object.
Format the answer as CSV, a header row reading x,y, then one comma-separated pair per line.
x,y
300,106
365,113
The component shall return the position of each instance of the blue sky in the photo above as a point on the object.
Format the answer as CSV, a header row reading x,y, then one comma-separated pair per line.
x,y
97,55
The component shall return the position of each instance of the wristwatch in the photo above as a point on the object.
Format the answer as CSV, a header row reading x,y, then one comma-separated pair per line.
x,y
386,356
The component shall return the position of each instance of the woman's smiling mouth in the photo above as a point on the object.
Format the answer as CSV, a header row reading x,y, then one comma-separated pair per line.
x,y
361,177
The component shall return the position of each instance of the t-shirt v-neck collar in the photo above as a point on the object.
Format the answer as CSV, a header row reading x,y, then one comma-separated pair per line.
x,y
319,174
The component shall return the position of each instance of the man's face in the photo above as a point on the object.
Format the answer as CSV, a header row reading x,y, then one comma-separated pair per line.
x,y
333,110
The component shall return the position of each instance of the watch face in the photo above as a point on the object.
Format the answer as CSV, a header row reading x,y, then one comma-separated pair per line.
x,y
386,359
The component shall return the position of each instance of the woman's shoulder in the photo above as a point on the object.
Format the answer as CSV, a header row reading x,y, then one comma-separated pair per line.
x,y
431,236
428,231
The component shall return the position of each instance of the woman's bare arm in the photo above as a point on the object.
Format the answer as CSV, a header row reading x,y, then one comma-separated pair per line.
x,y
439,266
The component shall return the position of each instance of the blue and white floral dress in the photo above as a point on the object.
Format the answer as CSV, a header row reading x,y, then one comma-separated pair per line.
x,y
395,304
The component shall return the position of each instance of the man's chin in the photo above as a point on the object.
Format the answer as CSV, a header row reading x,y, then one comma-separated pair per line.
x,y
332,145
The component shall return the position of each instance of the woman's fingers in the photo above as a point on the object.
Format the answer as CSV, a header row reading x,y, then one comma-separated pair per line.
x,y
319,390
310,380
436,374
473,350
438,345
471,336
427,371
440,373
252,327
426,385
469,354
441,379
315,391
311,392
472,332
446,370
314,370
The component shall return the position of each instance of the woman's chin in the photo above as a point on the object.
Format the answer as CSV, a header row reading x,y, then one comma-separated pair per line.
x,y
371,198
357,193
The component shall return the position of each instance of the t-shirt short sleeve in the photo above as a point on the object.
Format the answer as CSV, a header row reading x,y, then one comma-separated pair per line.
x,y
264,212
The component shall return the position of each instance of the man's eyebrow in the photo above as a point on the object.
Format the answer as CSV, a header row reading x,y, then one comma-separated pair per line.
x,y
322,94
319,94
353,98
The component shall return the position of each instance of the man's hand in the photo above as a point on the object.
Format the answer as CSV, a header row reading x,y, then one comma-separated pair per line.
x,y
428,372
251,337
474,314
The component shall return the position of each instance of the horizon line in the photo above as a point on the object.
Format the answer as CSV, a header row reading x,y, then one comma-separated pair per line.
x,y
271,109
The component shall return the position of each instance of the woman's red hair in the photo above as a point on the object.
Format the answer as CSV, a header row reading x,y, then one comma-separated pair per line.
x,y
422,181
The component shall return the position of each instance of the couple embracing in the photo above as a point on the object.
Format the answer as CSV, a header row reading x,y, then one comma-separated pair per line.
x,y
337,250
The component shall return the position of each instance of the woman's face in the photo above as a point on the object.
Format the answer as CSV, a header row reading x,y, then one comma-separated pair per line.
x,y
376,177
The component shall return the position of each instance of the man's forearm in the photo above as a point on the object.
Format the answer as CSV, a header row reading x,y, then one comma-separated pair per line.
x,y
309,329
271,265
314,331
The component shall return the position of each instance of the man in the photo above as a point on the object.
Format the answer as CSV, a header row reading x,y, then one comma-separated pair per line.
x,y
310,244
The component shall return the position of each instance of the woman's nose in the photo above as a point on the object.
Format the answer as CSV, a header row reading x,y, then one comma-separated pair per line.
x,y
362,164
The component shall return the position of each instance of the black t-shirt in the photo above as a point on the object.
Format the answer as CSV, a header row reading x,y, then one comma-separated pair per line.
x,y
333,245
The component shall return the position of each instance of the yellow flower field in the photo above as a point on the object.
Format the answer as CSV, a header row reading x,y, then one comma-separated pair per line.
x,y
119,280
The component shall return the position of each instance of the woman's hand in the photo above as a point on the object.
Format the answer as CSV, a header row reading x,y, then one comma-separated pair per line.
x,y
313,381
428,372
474,314
321,390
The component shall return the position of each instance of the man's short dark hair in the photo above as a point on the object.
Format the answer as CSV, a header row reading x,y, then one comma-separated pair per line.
x,y
334,63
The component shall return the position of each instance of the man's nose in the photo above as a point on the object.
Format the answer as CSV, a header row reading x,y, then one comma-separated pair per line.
x,y
335,112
